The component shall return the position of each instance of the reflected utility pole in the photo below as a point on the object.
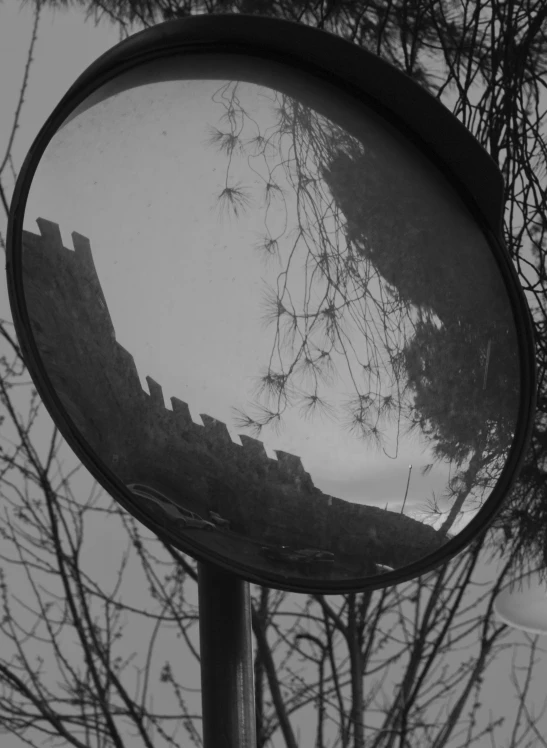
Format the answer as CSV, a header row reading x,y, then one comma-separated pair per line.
x,y
407,485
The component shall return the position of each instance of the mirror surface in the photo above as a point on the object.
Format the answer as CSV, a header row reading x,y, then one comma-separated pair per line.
x,y
275,322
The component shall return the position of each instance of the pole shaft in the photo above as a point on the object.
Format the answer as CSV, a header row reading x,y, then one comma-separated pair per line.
x,y
227,687
407,485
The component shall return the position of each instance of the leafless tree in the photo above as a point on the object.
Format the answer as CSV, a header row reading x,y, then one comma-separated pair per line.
x,y
374,668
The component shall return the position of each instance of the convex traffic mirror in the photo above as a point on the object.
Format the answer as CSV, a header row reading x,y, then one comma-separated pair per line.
x,y
259,281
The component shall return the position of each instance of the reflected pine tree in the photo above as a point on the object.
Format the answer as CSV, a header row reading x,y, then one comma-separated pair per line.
x,y
401,293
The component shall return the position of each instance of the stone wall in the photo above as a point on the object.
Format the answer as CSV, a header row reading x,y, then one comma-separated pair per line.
x,y
197,465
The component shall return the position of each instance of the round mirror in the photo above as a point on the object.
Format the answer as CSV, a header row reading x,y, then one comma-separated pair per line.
x,y
272,322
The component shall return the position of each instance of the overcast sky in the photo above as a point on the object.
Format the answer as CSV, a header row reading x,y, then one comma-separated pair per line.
x,y
66,46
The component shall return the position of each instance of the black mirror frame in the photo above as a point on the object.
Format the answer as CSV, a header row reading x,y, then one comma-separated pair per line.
x,y
415,113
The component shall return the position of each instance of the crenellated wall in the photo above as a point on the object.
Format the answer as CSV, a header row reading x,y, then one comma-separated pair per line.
x,y
196,465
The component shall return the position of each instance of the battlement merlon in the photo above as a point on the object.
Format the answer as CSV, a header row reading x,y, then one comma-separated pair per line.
x,y
50,239
51,235
213,430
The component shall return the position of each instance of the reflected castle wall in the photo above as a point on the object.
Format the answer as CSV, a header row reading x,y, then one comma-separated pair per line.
x,y
197,466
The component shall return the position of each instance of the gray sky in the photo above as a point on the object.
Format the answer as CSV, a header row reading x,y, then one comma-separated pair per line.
x,y
66,46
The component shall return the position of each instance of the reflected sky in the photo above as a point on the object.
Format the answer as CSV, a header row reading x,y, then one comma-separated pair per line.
x,y
191,293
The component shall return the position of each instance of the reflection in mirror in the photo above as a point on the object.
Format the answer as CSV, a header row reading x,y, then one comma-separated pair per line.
x,y
286,336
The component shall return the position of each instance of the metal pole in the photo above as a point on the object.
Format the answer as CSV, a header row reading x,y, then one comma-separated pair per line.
x,y
227,685
407,485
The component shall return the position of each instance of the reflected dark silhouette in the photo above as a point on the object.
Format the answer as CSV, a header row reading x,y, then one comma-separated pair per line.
x,y
370,327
